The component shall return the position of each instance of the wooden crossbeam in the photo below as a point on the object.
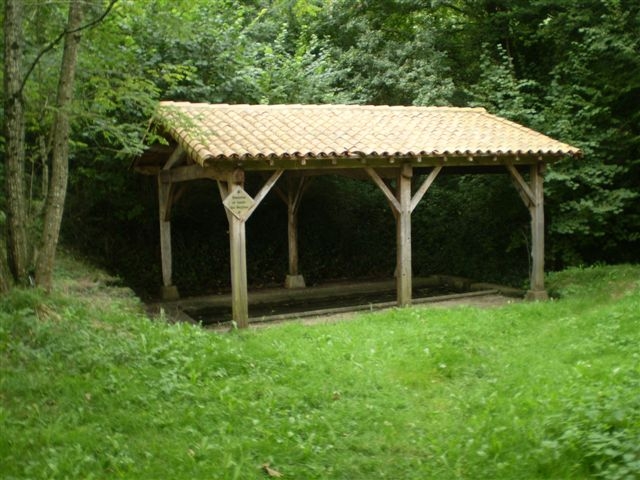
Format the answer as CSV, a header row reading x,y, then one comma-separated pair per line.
x,y
193,172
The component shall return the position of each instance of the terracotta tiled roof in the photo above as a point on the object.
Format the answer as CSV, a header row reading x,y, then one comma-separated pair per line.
x,y
211,132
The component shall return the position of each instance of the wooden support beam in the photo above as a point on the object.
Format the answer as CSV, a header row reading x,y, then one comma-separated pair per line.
x,y
238,244
263,192
292,236
296,186
403,228
194,172
533,197
537,291
177,155
357,162
401,206
522,187
393,201
424,187
238,265
169,291
294,196
238,257
224,192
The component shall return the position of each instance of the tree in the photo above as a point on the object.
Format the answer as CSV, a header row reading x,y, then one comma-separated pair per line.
x,y
386,52
60,152
16,236
571,71
19,259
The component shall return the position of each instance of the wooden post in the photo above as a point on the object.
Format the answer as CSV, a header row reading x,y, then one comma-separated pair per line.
x,y
238,259
238,244
533,197
239,289
294,196
402,204
403,228
536,209
292,233
168,291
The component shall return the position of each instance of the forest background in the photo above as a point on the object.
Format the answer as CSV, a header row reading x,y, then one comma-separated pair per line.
x,y
570,70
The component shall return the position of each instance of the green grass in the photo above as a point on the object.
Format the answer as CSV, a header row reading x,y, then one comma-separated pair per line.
x,y
91,388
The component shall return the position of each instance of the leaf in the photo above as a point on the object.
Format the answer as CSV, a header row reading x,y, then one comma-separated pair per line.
x,y
270,471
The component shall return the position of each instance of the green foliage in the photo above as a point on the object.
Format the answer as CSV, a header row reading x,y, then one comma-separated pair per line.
x,y
500,91
305,75
331,245
568,70
450,225
589,101
599,429
387,53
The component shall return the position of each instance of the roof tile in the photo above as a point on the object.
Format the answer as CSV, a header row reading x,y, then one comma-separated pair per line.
x,y
212,132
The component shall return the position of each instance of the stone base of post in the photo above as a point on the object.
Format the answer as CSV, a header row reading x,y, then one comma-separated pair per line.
x,y
294,281
169,293
536,295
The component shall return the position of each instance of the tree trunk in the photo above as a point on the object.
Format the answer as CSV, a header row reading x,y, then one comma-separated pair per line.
x,y
5,275
16,232
54,206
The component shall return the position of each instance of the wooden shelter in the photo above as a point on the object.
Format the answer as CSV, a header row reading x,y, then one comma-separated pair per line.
x,y
225,142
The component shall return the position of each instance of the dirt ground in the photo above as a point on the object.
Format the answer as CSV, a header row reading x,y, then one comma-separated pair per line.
x,y
490,300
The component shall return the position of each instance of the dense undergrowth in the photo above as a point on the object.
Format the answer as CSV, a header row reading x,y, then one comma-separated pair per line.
x,y
92,388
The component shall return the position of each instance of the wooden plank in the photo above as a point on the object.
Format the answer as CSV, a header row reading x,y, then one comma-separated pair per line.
x,y
393,201
524,191
424,187
403,226
194,172
459,297
381,162
537,291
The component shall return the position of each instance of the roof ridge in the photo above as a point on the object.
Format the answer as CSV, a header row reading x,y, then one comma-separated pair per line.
x,y
346,106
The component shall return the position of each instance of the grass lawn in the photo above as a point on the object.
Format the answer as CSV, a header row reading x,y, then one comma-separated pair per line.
x,y
91,388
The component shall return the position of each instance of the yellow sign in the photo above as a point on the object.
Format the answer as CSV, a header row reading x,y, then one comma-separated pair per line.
x,y
238,202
